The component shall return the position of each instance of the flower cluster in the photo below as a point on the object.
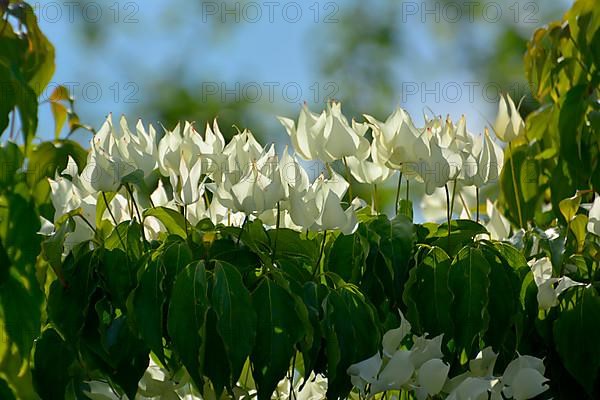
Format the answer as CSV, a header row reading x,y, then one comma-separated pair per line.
x,y
202,176
421,370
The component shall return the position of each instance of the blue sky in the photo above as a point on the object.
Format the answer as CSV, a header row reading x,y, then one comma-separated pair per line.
x,y
148,38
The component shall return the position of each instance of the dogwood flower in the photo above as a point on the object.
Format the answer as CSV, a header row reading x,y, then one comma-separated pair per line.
x,y
498,226
432,376
397,143
490,161
368,171
319,208
260,188
327,136
509,125
593,225
549,288
139,147
524,378
185,181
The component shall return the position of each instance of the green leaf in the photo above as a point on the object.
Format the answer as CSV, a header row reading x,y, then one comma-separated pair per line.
x,y
352,335
187,313
503,305
462,232
59,112
11,160
52,247
22,314
171,219
6,392
569,206
236,319
469,283
396,239
279,328
313,295
51,364
347,256
48,158
575,334
118,275
214,364
68,301
570,120
405,208
579,228
148,303
427,294
290,244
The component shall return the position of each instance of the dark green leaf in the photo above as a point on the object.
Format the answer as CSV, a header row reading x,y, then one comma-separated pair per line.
x,y
469,283
427,294
575,333
236,319
187,313
51,363
279,328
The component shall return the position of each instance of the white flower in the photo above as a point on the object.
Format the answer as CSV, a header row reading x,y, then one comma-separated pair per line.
x,y
471,389
397,143
327,136
432,375
547,291
139,147
483,364
524,378
394,337
365,372
368,171
489,162
260,188
425,349
106,164
508,125
189,146
320,209
593,225
398,372
187,188
498,226
307,136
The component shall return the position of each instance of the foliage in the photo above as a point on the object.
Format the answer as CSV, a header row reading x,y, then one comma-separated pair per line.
x,y
176,262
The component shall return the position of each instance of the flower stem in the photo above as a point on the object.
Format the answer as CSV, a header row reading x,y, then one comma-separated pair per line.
x,y
374,201
398,192
114,220
448,212
407,189
320,254
137,211
276,233
348,179
514,179
477,199
242,229
453,197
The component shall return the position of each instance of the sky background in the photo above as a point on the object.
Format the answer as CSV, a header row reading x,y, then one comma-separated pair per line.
x,y
110,52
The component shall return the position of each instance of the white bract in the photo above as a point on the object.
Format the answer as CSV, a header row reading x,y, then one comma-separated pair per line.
x,y
509,125
549,288
593,225
327,136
